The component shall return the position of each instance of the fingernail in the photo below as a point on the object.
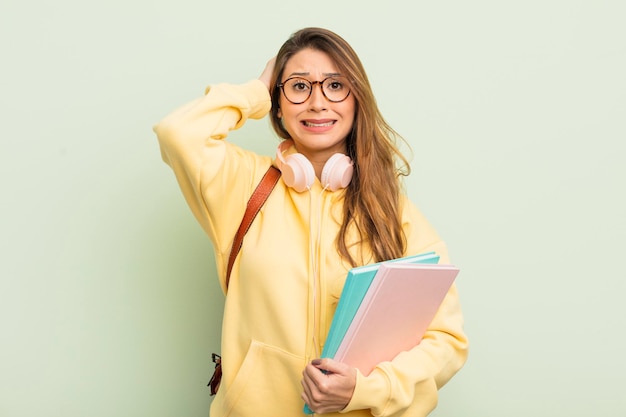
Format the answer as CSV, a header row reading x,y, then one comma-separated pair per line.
x,y
316,362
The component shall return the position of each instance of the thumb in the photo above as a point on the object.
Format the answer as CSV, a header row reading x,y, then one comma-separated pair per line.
x,y
330,366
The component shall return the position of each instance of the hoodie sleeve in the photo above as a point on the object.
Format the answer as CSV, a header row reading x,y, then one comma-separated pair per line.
x,y
408,385
197,128
216,177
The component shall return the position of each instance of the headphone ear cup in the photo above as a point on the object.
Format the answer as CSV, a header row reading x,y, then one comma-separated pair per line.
x,y
337,172
298,172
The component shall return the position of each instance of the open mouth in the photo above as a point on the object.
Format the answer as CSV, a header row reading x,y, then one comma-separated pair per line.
x,y
318,124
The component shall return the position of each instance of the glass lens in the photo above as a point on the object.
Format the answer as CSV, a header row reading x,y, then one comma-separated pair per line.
x,y
297,90
336,88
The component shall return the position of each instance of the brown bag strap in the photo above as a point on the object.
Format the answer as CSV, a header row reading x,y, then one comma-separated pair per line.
x,y
260,194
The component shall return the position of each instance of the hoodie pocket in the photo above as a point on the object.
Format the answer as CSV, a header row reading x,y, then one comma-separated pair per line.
x,y
267,384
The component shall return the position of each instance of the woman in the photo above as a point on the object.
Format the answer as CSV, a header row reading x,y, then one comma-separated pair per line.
x,y
312,229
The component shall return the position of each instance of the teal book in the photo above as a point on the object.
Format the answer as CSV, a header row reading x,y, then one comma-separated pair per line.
x,y
354,290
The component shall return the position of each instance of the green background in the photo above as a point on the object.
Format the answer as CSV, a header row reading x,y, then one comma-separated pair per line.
x,y
515,112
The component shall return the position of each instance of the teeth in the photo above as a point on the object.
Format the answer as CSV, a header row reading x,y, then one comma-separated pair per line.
x,y
309,124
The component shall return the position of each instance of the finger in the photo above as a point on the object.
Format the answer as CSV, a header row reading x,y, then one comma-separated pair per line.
x,y
317,378
307,380
330,366
309,388
306,393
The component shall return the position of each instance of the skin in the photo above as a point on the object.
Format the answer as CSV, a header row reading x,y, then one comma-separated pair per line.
x,y
332,389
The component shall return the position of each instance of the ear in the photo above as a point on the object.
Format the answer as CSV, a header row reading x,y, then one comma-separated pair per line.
x,y
279,113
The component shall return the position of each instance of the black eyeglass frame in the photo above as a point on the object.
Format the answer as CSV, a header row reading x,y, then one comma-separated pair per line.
x,y
312,83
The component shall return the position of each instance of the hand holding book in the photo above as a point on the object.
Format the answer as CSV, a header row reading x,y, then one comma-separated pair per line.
x,y
328,385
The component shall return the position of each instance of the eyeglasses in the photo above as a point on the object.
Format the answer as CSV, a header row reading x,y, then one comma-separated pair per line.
x,y
298,90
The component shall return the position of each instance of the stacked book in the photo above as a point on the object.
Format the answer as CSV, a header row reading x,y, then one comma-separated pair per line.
x,y
385,308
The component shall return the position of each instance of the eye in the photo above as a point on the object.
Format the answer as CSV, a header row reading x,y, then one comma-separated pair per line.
x,y
299,86
335,85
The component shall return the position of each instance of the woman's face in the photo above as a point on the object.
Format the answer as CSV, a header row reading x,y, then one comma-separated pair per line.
x,y
318,126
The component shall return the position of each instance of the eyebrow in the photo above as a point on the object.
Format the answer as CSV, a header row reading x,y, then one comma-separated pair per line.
x,y
302,74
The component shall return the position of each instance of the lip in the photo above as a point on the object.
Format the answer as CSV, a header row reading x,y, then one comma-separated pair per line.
x,y
318,124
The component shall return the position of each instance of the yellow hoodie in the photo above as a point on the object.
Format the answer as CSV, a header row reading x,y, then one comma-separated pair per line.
x,y
287,279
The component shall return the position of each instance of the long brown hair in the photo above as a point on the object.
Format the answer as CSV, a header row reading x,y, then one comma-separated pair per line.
x,y
372,200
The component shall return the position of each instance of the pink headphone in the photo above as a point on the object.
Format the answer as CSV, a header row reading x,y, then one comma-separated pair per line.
x,y
298,172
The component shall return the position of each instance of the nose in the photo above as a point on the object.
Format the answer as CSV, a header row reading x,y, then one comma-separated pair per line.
x,y
317,101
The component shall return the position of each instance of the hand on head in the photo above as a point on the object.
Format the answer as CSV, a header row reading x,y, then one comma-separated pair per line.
x,y
266,76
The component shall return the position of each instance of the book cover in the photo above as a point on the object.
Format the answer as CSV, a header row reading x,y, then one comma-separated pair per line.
x,y
395,313
357,283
